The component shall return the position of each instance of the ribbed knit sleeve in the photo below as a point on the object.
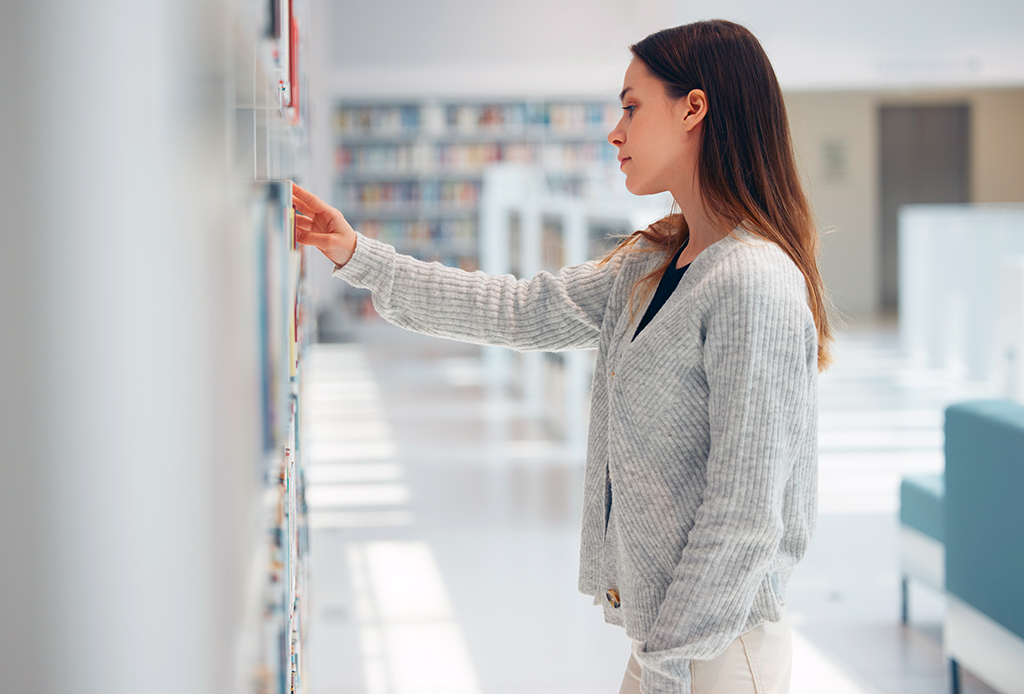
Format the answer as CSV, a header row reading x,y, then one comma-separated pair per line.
x,y
548,312
760,368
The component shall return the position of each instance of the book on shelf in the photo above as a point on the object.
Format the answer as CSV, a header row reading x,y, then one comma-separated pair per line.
x,y
476,117
441,157
405,194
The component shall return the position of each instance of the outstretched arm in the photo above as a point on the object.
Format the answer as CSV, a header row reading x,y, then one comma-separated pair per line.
x,y
548,312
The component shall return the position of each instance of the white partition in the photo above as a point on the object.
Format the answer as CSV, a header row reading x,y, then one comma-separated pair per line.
x,y
523,191
951,258
1009,366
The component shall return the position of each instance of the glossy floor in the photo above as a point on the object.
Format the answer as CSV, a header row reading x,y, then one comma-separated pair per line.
x,y
446,529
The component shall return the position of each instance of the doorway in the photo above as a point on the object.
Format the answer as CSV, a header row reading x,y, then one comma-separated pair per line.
x,y
925,156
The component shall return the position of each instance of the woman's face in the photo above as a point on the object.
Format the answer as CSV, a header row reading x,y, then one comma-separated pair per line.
x,y
657,147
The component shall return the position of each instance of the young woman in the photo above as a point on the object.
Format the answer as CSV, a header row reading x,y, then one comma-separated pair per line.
x,y
710,325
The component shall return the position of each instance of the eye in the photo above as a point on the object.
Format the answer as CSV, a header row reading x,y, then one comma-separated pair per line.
x,y
630,109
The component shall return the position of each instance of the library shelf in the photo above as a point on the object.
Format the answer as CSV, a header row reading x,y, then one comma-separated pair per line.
x,y
407,170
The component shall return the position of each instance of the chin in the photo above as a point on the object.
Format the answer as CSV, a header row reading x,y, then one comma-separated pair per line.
x,y
634,187
640,188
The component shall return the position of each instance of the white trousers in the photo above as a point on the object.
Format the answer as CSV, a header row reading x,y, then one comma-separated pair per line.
x,y
757,662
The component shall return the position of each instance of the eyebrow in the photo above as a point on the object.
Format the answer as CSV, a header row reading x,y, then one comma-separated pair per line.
x,y
622,94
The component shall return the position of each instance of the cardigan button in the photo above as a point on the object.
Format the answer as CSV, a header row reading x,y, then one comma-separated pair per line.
x,y
613,597
613,374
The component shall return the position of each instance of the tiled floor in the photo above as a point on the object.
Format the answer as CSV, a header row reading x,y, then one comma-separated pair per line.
x,y
446,529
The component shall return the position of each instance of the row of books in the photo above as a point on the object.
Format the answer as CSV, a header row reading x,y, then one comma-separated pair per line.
x,y
450,194
433,118
406,193
406,233
377,119
470,157
283,319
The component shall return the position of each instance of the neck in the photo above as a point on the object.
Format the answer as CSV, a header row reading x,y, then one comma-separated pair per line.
x,y
705,228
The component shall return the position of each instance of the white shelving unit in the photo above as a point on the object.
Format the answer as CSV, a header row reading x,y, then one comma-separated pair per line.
x,y
528,227
272,655
277,604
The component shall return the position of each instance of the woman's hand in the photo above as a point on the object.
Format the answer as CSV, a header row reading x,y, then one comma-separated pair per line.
x,y
318,224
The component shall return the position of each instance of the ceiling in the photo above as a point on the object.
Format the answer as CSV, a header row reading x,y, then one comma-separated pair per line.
x,y
565,46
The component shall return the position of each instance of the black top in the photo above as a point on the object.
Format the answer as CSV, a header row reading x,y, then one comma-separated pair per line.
x,y
668,284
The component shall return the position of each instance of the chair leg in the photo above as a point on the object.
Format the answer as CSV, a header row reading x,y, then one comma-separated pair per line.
x,y
904,599
954,677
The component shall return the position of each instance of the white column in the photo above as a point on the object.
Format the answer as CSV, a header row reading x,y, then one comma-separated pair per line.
x,y
494,260
577,363
125,490
1010,340
530,253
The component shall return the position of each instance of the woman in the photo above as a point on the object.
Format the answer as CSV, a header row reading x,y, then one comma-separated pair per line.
x,y
710,325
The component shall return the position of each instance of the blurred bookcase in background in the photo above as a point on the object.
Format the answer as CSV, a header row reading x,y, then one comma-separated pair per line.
x,y
410,172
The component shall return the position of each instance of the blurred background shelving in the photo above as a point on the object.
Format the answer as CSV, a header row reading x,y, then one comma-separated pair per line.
x,y
411,172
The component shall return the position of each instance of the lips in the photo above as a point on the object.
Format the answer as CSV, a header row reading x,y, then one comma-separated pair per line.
x,y
623,160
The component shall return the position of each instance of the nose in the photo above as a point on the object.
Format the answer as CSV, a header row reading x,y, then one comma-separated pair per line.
x,y
618,135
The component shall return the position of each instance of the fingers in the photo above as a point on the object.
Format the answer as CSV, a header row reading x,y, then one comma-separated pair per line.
x,y
306,202
300,192
303,222
308,224
302,207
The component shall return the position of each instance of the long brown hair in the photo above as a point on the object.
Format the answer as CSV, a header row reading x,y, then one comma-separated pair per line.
x,y
746,166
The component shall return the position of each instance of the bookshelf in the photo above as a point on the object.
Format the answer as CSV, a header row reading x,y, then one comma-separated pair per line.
x,y
279,602
410,172
270,149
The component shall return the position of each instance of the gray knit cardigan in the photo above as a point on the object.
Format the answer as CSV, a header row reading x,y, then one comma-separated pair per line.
x,y
700,490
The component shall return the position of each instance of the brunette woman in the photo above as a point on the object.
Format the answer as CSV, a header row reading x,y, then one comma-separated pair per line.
x,y
710,325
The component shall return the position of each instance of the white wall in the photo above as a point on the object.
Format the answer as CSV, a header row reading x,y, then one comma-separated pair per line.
x,y
845,201
122,494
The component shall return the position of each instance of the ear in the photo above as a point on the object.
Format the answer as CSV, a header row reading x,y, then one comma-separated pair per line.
x,y
694,107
